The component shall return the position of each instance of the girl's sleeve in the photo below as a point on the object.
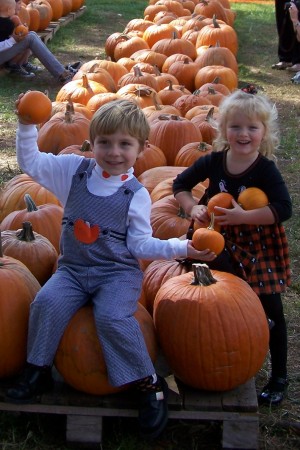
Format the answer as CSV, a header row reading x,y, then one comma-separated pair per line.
x,y
52,172
139,234
193,175
277,193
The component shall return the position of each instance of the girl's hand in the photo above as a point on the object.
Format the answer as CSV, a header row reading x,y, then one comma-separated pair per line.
x,y
203,255
199,214
233,216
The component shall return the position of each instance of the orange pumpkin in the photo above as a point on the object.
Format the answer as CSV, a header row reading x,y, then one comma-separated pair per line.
x,y
79,358
222,199
46,220
208,238
170,133
32,249
212,329
18,289
12,194
252,198
35,107
63,129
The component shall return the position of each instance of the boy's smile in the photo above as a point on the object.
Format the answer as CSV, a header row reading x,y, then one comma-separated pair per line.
x,y
116,153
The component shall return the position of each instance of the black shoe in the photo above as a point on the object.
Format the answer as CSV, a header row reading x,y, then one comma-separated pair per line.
x,y
74,67
274,392
33,381
31,67
153,410
16,69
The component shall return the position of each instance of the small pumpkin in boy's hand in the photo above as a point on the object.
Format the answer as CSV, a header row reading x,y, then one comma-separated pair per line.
x,y
252,198
208,238
34,107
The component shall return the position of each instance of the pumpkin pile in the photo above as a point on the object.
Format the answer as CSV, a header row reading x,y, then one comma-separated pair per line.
x,y
178,62
36,15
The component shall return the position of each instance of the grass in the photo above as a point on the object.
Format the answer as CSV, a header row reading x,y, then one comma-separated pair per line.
x,y
84,39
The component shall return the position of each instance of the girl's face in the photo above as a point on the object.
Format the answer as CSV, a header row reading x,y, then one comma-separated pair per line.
x,y
244,134
116,153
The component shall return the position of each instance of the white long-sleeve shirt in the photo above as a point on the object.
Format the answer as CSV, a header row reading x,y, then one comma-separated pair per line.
x,y
55,173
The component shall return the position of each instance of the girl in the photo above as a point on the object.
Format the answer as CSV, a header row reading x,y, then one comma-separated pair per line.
x,y
106,229
256,245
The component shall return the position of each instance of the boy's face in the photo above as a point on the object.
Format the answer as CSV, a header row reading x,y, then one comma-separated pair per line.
x,y
7,8
116,153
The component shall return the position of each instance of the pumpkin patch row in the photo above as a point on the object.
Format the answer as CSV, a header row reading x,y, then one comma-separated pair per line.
x,y
177,62
36,15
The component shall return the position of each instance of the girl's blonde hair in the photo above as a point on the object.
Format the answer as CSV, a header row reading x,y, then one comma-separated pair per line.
x,y
257,106
120,115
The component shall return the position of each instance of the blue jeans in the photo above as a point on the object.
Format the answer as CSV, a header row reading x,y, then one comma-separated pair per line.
x,y
38,49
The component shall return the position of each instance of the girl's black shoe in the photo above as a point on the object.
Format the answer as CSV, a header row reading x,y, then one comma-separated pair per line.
x,y
274,392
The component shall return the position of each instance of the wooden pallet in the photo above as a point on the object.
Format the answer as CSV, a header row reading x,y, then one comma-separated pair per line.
x,y
236,410
49,32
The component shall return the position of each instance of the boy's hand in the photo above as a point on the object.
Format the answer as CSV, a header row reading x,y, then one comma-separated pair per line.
x,y
203,255
20,118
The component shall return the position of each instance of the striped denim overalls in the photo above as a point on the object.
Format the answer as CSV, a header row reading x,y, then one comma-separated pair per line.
x,y
96,265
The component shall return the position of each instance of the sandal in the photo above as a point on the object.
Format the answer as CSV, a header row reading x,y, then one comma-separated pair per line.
x,y
281,65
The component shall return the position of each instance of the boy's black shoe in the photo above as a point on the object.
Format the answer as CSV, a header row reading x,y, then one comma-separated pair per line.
x,y
31,67
274,392
33,381
153,410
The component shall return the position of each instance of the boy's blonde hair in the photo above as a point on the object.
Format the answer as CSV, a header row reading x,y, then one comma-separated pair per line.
x,y
120,115
254,106
7,8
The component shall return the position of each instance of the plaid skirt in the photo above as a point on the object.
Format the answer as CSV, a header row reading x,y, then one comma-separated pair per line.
x,y
260,256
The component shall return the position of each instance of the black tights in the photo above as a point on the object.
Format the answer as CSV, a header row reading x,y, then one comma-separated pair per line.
x,y
272,305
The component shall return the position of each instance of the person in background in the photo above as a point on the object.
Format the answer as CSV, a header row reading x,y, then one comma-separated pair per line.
x,y
256,242
295,16
106,230
288,45
15,50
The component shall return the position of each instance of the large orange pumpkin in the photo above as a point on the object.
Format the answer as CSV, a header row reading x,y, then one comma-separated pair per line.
x,y
170,133
79,357
212,329
46,219
12,195
32,249
18,289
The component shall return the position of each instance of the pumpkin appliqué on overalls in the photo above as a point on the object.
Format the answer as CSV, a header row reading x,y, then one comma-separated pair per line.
x,y
86,233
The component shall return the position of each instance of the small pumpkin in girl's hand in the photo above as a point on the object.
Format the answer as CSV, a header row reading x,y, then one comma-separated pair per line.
x,y
252,198
223,200
34,107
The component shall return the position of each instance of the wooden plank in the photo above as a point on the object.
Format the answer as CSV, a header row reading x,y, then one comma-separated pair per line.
x,y
243,398
241,434
84,430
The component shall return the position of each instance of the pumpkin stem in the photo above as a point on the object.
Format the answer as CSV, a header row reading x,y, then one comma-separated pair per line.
x,y
26,233
86,146
202,275
212,222
181,213
30,205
